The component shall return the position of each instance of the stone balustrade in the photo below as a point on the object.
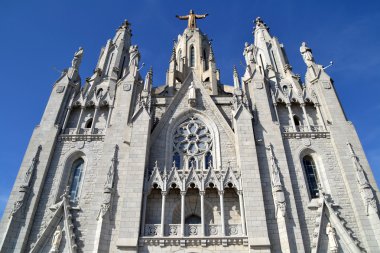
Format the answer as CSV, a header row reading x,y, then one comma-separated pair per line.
x,y
174,230
314,131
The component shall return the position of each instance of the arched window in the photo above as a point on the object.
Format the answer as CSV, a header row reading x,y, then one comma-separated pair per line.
x,y
208,160
99,93
179,61
88,123
177,160
192,162
297,121
193,219
76,179
192,56
311,175
205,58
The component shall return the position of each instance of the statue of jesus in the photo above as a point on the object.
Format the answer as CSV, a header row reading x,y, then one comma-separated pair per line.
x,y
192,19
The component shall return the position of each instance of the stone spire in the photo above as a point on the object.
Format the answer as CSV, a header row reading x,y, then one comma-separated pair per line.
x,y
192,52
114,57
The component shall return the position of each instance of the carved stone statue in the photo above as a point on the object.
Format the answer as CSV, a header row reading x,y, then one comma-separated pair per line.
x,y
56,241
192,19
134,55
306,54
248,54
192,94
333,244
77,58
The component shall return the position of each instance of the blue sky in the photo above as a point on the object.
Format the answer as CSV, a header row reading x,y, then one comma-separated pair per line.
x,y
38,39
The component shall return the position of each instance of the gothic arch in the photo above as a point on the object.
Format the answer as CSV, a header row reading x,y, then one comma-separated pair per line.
x,y
216,152
176,213
316,155
64,177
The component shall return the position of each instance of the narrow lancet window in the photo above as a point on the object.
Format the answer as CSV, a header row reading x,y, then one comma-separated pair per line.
x,y
192,56
205,59
297,121
208,160
177,160
311,175
88,123
192,163
76,179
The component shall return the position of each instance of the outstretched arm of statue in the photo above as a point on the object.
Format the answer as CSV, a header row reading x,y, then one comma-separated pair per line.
x,y
201,16
182,17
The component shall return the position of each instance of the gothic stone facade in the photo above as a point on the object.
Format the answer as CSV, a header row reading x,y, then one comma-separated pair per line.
x,y
268,164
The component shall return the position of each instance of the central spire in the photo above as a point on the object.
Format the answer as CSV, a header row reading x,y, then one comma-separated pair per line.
x,y
192,24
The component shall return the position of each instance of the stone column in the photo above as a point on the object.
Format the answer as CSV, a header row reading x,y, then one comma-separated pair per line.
x,y
221,199
163,213
109,116
94,119
66,119
202,193
289,106
79,120
143,217
317,106
242,213
183,194
306,117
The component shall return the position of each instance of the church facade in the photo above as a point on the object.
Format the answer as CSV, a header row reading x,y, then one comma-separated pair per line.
x,y
268,164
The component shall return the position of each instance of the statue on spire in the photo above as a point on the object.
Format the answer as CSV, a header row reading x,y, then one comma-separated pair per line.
x,y
307,54
192,19
77,58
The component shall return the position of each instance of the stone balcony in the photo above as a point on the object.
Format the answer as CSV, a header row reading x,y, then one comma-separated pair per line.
x,y
84,134
193,235
314,131
174,230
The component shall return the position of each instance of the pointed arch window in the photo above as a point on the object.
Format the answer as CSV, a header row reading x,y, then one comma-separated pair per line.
x,y
177,160
205,59
88,123
208,160
76,179
192,163
192,56
179,61
311,175
297,121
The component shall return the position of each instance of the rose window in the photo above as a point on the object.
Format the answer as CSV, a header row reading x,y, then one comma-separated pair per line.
x,y
192,138
192,142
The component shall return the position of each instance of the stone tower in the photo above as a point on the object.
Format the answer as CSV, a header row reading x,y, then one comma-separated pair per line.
x,y
268,164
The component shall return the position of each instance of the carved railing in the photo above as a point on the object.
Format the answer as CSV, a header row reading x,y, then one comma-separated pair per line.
x,y
174,230
234,230
304,131
193,229
213,230
84,134
152,229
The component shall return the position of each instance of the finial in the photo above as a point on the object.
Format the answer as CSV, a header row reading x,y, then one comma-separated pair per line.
x,y
260,23
173,57
236,79
211,57
125,24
